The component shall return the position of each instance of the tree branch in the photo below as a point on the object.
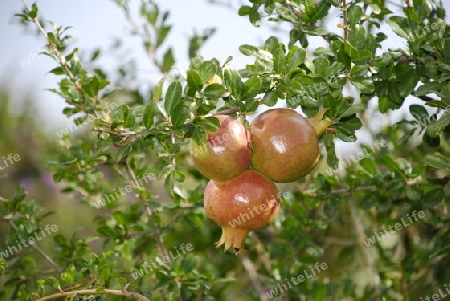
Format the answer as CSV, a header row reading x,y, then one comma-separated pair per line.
x,y
253,276
227,112
148,211
293,9
345,17
39,250
95,292
361,237
59,56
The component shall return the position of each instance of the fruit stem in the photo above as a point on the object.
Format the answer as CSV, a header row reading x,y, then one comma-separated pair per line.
x,y
320,125
233,238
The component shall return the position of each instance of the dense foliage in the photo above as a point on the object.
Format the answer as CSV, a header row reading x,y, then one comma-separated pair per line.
x,y
149,244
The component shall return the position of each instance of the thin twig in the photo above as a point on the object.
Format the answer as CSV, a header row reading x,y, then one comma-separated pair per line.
x,y
95,292
59,56
173,218
361,237
293,9
345,190
39,250
345,17
253,276
136,28
227,112
149,213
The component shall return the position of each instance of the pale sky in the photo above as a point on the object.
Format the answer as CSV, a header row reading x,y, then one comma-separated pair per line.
x,y
97,25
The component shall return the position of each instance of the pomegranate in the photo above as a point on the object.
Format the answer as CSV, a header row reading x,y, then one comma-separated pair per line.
x,y
285,144
226,154
245,203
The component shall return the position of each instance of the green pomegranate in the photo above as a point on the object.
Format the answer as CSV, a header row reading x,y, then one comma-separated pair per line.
x,y
226,154
285,144
245,203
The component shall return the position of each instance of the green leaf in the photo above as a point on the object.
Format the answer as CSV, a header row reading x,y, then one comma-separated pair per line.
x,y
436,128
438,161
92,86
211,124
315,31
69,275
390,163
370,200
57,71
271,98
168,60
445,91
365,85
157,90
233,81
249,50
383,104
173,96
411,14
399,26
180,114
319,12
322,66
130,118
295,58
279,60
433,197
208,69
215,91
419,113
358,37
194,81
369,165
355,14
122,282
353,109
345,135
244,10
151,110
53,282
253,87
23,16
199,135
431,87
329,209
105,272
161,35
119,217
34,11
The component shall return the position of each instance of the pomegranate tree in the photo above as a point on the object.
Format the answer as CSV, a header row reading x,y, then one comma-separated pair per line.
x,y
245,203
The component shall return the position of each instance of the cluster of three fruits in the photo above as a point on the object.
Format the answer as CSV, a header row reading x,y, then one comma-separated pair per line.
x,y
281,145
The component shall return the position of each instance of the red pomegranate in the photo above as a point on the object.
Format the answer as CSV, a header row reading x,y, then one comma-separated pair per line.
x,y
285,144
226,154
245,203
